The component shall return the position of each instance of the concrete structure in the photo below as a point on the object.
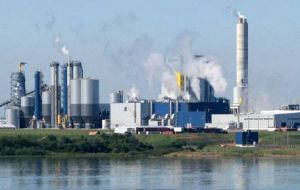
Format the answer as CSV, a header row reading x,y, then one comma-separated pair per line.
x,y
240,91
129,114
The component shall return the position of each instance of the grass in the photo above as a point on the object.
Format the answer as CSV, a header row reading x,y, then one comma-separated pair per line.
x,y
78,143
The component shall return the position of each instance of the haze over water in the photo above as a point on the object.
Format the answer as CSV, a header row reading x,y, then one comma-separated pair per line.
x,y
155,173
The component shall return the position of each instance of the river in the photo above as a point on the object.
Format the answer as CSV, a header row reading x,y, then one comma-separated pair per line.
x,y
152,173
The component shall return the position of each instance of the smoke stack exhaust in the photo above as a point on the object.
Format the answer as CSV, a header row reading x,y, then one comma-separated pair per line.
x,y
240,94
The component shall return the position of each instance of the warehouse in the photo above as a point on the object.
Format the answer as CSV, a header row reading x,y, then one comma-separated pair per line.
x,y
265,120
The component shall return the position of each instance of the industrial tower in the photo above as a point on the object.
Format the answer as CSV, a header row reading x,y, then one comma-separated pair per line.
x,y
240,91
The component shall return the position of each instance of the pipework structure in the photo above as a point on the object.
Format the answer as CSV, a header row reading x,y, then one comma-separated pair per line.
x,y
240,91
17,83
55,95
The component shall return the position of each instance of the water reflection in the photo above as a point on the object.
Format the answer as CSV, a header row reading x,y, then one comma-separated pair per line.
x,y
158,173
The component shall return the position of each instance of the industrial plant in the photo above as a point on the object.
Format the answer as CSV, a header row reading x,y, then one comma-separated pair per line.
x,y
71,100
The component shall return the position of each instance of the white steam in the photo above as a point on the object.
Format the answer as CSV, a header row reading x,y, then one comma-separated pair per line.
x,y
133,94
194,68
65,51
235,12
169,87
63,48
57,40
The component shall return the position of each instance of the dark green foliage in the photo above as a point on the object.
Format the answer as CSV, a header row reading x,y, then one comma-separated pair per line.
x,y
40,145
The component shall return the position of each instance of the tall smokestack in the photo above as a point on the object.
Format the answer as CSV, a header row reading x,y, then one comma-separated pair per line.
x,y
55,93
240,96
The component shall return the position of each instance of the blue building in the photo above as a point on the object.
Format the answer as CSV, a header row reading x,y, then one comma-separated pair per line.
x,y
220,106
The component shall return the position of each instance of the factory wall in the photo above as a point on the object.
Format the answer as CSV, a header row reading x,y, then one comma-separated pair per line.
x,y
129,114
219,107
257,121
223,121
190,119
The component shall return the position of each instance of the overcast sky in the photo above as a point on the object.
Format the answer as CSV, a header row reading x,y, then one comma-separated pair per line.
x,y
113,38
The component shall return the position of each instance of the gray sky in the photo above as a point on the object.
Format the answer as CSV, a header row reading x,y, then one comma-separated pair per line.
x,y
113,39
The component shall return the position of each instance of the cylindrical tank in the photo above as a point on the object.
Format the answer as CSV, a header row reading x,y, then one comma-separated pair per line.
x,y
13,117
77,70
27,111
46,107
89,100
114,97
75,106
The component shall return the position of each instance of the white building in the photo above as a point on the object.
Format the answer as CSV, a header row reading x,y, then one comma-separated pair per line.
x,y
129,114
265,120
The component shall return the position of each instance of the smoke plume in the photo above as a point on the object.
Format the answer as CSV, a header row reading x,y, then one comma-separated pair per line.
x,y
133,94
65,51
235,12
194,67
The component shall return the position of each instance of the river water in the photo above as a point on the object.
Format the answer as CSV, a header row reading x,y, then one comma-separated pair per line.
x,y
154,173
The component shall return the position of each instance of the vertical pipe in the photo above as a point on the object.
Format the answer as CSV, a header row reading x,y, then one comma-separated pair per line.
x,y
65,89
38,96
70,77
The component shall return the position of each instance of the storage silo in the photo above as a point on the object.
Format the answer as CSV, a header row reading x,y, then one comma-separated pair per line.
x,y
75,106
27,111
116,97
12,116
89,101
46,107
77,70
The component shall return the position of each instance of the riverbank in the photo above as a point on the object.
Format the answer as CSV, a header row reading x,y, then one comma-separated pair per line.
x,y
78,143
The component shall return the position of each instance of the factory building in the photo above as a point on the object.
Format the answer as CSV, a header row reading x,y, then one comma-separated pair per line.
x,y
129,114
159,114
220,106
73,102
184,86
265,120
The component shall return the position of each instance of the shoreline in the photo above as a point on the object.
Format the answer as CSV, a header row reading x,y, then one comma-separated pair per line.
x,y
176,154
